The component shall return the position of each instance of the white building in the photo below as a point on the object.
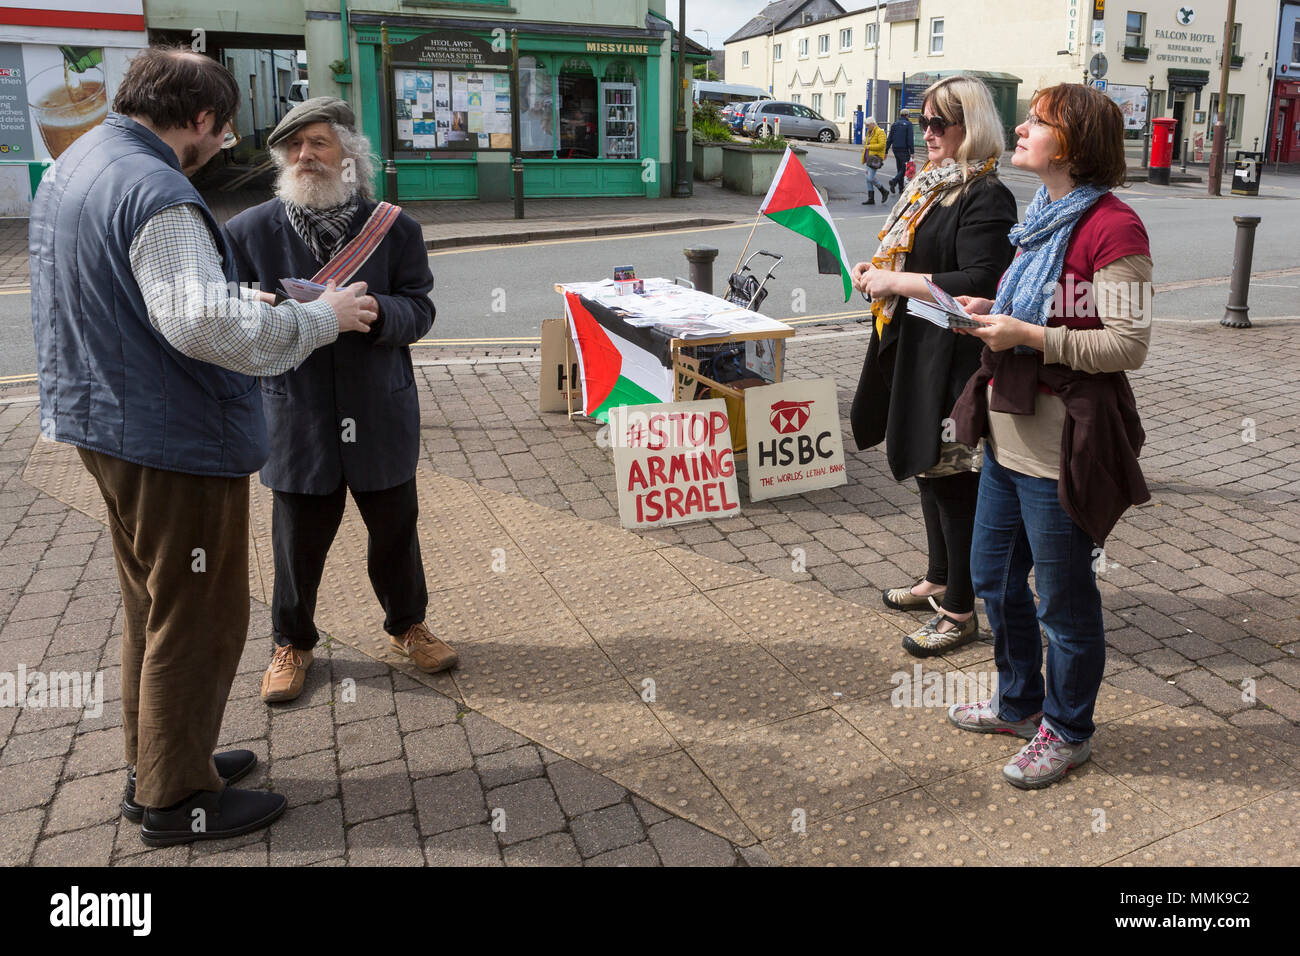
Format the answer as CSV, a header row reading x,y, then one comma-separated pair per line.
x,y
817,53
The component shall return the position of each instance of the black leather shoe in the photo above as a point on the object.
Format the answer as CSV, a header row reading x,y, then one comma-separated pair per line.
x,y
232,765
870,200
211,815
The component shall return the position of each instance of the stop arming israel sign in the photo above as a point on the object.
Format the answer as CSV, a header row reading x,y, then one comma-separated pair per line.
x,y
673,463
794,441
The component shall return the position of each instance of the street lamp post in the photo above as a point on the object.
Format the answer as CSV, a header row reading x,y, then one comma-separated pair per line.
x,y
771,52
709,44
681,171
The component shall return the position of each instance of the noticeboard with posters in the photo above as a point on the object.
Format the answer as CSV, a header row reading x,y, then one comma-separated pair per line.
x,y
451,92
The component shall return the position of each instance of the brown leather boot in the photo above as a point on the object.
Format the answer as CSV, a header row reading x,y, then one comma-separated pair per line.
x,y
286,674
425,651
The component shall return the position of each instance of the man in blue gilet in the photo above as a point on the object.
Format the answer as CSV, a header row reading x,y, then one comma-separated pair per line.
x,y
146,352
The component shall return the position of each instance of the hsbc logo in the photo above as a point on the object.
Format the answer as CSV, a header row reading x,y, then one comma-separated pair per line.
x,y
789,417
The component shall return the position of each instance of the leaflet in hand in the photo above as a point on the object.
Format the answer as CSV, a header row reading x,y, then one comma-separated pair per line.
x,y
944,311
301,290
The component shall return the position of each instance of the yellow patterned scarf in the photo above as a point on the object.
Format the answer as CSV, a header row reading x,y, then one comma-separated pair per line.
x,y
919,196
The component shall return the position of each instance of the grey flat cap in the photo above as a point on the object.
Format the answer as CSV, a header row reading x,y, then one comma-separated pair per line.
x,y
318,109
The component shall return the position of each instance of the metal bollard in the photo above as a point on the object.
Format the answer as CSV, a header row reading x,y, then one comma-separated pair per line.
x,y
1185,143
1236,316
701,266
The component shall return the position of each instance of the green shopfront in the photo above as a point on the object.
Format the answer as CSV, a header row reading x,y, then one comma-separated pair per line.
x,y
590,108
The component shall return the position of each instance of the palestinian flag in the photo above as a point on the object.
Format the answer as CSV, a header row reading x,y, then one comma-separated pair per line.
x,y
794,202
620,365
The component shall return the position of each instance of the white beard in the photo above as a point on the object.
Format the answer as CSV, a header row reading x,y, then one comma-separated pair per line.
x,y
313,190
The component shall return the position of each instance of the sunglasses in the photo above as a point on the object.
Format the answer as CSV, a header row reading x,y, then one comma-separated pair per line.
x,y
936,124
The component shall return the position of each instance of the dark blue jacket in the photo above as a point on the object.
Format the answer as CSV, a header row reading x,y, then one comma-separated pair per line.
x,y
900,138
109,380
351,410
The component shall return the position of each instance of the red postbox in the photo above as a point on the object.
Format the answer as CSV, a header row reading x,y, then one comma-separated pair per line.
x,y
1162,149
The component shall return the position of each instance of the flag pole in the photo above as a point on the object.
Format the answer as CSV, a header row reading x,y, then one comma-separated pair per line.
x,y
747,242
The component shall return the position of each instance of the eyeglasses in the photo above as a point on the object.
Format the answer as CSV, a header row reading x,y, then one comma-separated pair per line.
x,y
1033,119
936,124
231,138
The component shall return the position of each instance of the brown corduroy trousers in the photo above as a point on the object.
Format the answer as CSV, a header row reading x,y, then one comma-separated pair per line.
x,y
181,545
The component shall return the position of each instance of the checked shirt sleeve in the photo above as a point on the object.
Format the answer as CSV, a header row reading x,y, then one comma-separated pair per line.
x,y
178,268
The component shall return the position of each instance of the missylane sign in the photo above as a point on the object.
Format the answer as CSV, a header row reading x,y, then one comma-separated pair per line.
x,y
673,463
793,434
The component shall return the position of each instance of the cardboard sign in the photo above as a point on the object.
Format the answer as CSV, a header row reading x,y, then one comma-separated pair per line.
x,y
673,463
555,378
794,440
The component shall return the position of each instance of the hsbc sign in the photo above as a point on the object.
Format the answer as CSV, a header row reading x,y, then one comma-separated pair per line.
x,y
793,438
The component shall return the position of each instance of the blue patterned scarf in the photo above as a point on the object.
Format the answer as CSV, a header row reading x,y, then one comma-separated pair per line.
x,y
1029,284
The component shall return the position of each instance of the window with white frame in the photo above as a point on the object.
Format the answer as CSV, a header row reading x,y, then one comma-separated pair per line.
x,y
796,98
816,103
1295,44
824,43
846,39
776,52
936,35
803,47
744,58
839,105
1135,29
871,35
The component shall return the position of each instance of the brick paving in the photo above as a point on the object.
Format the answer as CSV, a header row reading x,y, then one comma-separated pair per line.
x,y
1198,587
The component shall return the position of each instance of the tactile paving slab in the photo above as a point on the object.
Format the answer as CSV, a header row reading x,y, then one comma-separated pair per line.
x,y
706,573
802,769
1114,703
56,469
495,606
1266,832
843,661
662,635
674,782
613,584
526,665
920,740
910,829
770,608
548,537
602,726
725,693
1087,818
1190,767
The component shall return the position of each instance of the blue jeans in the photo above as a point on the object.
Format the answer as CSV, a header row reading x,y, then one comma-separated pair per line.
x,y
1019,525
871,179
900,161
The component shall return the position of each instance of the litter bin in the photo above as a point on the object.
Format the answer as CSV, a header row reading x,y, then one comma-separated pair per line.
x,y
1245,173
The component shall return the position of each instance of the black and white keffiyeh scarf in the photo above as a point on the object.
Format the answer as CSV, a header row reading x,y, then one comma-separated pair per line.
x,y
323,230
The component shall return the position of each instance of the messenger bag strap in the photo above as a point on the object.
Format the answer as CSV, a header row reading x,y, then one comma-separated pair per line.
x,y
354,255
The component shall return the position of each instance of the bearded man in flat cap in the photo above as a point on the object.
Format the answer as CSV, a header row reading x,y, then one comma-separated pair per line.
x,y
348,418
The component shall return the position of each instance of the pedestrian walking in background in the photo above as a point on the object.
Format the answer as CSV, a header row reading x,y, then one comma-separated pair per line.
x,y
347,419
951,228
145,357
1060,427
899,142
873,157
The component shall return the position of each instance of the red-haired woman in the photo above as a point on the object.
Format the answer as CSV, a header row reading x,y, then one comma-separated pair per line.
x,y
1051,399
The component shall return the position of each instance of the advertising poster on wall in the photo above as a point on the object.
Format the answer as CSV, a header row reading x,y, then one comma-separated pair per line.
x,y
1132,102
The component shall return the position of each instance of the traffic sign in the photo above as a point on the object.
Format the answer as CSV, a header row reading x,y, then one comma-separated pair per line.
x,y
1098,66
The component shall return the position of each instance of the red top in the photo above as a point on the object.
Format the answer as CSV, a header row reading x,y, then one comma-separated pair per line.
x,y
1108,231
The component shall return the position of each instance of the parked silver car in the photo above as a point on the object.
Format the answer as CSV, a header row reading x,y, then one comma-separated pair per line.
x,y
797,121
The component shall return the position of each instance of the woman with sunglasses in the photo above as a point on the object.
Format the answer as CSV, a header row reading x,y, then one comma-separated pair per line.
x,y
949,226
1061,428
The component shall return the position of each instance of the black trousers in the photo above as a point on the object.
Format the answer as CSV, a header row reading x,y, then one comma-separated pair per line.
x,y
900,171
948,505
303,528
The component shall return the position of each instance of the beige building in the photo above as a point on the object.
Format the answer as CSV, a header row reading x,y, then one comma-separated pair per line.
x,y
816,53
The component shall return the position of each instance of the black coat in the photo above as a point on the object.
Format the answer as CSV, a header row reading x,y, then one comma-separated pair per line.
x,y
914,373
900,138
366,378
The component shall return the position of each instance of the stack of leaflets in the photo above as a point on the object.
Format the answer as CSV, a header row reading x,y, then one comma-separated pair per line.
x,y
943,311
